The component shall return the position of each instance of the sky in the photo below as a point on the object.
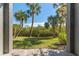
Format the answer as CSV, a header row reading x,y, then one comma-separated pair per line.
x,y
46,10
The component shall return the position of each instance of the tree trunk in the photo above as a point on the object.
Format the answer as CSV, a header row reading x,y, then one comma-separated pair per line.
x,y
21,23
14,31
19,30
60,27
53,27
31,29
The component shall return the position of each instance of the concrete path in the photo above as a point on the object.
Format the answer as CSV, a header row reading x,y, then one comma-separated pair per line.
x,y
39,52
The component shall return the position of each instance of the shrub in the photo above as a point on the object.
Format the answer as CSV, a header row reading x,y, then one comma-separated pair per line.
x,y
15,28
62,38
39,31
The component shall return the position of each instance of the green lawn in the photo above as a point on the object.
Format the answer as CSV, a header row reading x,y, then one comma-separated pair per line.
x,y
34,42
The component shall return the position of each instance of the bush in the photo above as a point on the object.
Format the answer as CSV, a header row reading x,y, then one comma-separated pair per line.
x,y
37,32
15,28
27,42
62,38
24,32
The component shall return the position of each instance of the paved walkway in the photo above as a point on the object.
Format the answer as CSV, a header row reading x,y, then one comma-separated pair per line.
x,y
39,52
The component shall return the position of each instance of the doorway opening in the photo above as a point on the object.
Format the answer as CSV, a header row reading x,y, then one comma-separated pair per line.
x,y
39,29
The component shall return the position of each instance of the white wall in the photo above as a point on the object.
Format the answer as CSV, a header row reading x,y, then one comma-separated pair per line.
x,y
1,30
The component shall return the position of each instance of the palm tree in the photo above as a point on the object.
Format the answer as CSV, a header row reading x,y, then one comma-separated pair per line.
x,y
20,16
34,9
62,12
53,21
60,22
46,25
56,5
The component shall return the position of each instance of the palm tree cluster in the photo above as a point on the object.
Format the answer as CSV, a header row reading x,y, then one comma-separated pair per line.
x,y
52,22
62,13
59,19
34,9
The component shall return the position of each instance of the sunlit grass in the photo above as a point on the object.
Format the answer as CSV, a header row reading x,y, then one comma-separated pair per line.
x,y
33,42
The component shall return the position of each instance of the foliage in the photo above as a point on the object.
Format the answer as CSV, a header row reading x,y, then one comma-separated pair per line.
x,y
24,32
46,25
21,16
33,42
38,31
15,28
62,38
53,22
41,36
61,10
34,9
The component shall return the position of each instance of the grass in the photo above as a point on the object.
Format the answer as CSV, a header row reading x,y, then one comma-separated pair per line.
x,y
34,42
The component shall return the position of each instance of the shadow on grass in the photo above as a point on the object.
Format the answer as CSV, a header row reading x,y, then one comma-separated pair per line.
x,y
26,43
17,44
